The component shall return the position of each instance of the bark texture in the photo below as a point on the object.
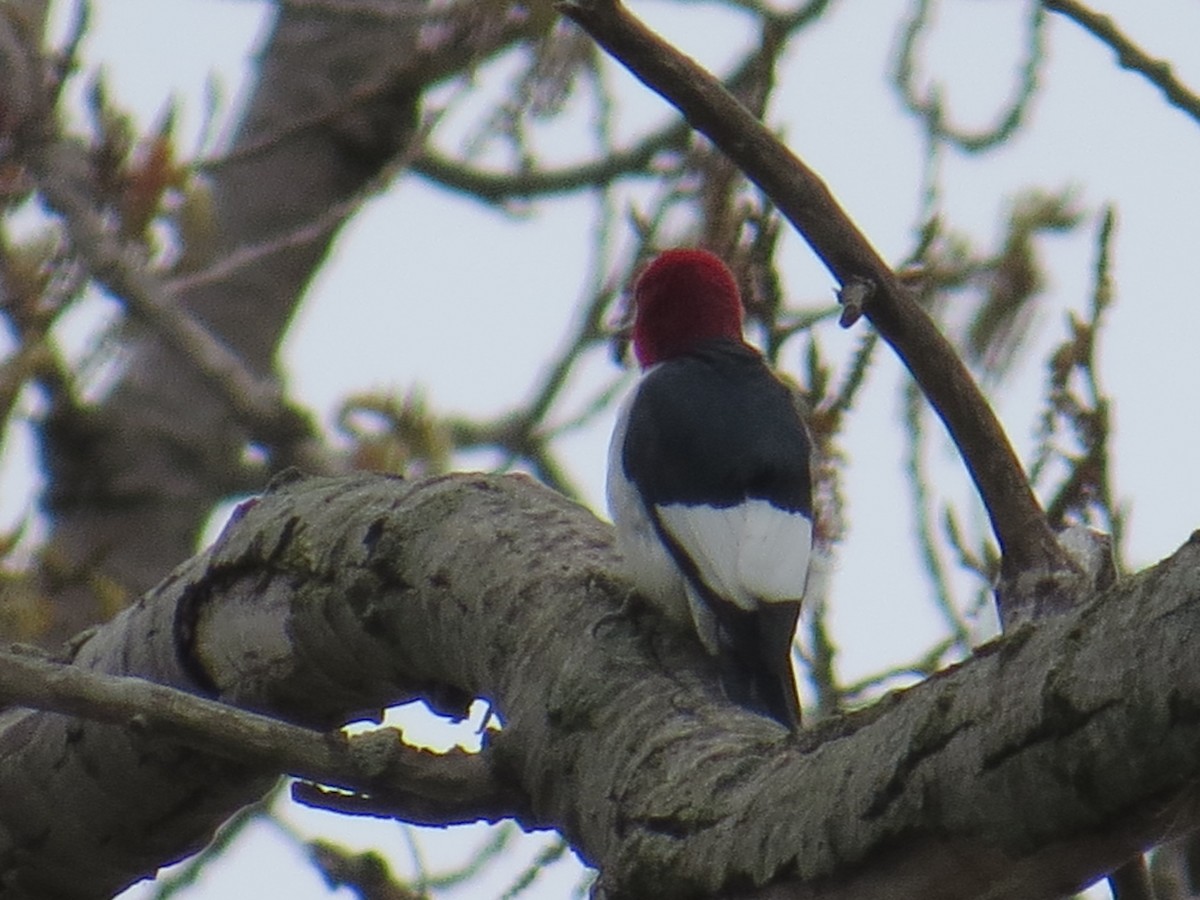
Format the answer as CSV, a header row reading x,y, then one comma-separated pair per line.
x,y
1032,768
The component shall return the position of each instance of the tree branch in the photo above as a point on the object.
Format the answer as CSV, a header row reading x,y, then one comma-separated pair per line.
x,y
1130,56
1036,572
928,104
499,187
1031,769
394,778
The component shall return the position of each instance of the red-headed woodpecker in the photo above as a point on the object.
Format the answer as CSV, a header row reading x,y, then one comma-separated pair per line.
x,y
709,483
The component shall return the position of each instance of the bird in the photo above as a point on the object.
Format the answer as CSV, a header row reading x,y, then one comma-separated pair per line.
x,y
709,481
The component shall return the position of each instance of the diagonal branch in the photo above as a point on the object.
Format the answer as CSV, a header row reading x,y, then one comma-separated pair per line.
x,y
1158,72
1034,565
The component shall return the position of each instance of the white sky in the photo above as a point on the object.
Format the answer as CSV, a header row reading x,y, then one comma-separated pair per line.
x,y
376,316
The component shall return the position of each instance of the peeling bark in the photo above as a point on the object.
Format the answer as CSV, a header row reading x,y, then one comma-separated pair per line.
x,y
1034,767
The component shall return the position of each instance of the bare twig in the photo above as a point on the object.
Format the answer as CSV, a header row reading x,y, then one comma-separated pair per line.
x,y
367,875
923,501
923,667
498,187
551,853
830,695
1031,555
310,231
1077,409
189,871
1130,56
928,104
305,234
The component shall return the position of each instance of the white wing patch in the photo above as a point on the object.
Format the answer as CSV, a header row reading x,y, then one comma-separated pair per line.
x,y
750,554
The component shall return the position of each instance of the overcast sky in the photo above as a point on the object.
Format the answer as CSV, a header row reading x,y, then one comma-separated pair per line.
x,y
376,316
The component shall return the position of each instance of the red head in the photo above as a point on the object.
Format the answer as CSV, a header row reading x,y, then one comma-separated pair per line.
x,y
682,298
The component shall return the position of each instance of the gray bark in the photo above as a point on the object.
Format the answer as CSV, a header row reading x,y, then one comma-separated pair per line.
x,y
131,482
1036,766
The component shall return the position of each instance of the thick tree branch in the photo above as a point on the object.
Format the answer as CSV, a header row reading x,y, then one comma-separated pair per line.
x,y
1157,71
1037,572
1033,768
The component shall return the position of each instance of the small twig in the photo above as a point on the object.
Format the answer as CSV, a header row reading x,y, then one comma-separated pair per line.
x,y
189,871
1078,409
495,847
919,669
66,60
308,232
821,664
929,106
854,378
587,331
922,503
499,187
1030,550
1130,56
550,854
367,875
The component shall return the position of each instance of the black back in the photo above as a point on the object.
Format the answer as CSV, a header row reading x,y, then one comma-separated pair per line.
x,y
717,427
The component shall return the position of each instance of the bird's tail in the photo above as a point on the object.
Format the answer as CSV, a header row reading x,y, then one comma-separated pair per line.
x,y
755,660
